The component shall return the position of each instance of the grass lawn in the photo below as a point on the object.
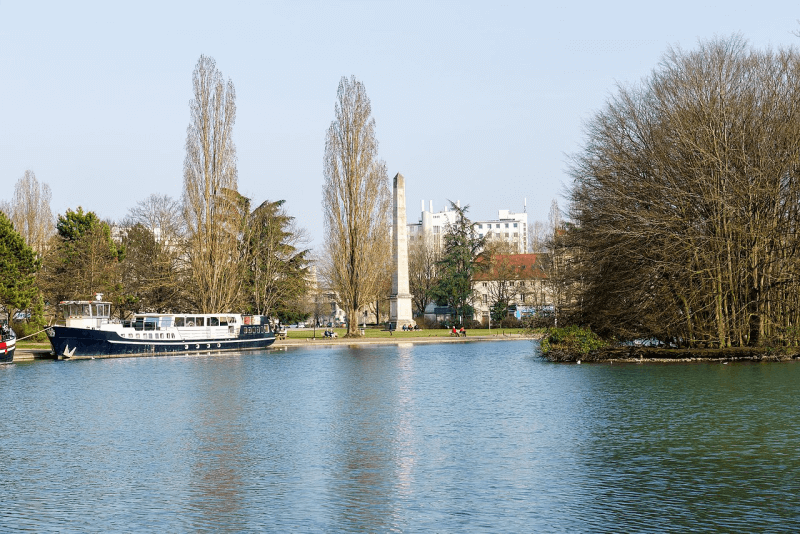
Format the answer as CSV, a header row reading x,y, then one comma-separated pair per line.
x,y
33,345
293,333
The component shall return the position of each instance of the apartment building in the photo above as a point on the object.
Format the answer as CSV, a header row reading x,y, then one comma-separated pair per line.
x,y
509,227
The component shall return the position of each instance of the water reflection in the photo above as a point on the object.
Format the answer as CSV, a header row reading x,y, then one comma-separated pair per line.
x,y
467,437
373,440
218,446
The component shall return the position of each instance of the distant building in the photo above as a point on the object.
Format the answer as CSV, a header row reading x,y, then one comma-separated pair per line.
x,y
524,283
509,227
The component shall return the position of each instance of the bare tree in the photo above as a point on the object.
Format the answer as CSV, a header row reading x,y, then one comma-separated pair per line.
x,y
30,212
213,210
423,255
162,215
537,236
685,201
356,203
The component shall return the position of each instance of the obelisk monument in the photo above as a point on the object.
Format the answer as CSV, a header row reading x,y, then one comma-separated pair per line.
x,y
400,299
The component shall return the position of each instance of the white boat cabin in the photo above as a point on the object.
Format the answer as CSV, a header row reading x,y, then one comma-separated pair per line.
x,y
96,315
85,313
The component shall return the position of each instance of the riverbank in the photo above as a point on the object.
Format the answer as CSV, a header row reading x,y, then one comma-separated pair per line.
x,y
27,354
654,354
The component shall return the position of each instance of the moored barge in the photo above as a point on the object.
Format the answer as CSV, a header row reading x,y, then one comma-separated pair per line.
x,y
89,331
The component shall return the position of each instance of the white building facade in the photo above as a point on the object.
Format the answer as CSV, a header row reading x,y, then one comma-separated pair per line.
x,y
509,227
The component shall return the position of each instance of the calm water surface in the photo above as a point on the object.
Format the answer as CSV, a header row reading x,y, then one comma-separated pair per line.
x,y
427,438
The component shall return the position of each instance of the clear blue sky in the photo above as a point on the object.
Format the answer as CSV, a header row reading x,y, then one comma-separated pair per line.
x,y
481,102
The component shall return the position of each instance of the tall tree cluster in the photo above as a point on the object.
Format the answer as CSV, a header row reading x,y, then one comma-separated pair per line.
x,y
206,252
356,203
685,201
214,211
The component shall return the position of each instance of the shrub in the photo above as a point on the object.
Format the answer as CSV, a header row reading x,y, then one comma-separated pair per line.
x,y
25,329
570,343
510,322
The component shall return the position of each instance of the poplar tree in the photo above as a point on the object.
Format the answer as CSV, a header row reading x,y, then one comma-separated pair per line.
x,y
213,210
356,203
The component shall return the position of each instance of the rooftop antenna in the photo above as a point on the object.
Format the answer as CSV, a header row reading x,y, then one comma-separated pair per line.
x,y
525,205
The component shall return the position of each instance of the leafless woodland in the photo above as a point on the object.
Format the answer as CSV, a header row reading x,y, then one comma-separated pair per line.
x,y
684,206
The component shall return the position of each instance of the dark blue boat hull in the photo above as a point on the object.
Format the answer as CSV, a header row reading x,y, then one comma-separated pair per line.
x,y
79,342
7,355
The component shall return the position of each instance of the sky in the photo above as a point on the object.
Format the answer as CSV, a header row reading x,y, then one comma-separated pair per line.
x,y
482,102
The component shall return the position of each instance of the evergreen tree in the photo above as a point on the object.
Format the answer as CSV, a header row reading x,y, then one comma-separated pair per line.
x,y
458,264
277,267
83,259
18,266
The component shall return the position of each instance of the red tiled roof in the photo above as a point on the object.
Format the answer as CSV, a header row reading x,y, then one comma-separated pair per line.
x,y
524,265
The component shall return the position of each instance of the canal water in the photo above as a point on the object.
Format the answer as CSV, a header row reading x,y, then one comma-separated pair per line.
x,y
472,437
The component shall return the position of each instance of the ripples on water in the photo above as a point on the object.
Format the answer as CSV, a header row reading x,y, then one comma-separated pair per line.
x,y
450,437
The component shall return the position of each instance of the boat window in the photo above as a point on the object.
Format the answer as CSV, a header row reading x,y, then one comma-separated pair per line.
x,y
223,321
179,321
79,310
213,321
200,321
138,324
137,336
150,325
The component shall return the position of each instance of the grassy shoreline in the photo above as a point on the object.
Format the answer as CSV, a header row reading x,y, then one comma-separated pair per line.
x,y
376,333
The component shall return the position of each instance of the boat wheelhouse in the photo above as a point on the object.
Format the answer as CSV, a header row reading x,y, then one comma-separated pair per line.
x,y
8,342
89,331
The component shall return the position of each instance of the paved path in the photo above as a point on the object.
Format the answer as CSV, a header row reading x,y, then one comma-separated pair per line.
x,y
28,355
394,340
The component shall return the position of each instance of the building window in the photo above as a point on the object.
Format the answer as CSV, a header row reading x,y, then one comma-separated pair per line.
x,y
515,225
497,225
506,225
481,227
